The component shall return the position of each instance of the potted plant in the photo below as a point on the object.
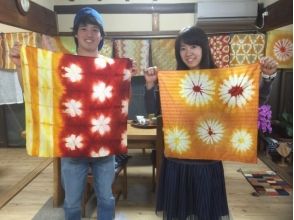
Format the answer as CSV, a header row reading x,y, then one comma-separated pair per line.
x,y
283,128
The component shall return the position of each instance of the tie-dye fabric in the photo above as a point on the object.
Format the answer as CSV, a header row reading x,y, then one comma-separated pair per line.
x,y
75,106
210,114
66,44
246,48
280,47
135,49
24,38
2,51
163,54
220,49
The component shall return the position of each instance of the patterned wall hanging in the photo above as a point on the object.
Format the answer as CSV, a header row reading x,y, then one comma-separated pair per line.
x,y
66,44
280,47
135,49
25,38
75,106
2,51
220,49
210,114
246,48
163,54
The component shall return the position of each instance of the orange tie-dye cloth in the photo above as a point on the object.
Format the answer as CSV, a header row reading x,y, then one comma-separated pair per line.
x,y
75,106
280,47
210,114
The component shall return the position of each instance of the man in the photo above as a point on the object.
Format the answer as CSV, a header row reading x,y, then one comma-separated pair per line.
x,y
88,31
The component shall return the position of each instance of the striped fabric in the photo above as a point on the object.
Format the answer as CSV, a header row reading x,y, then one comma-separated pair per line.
x,y
246,48
220,49
210,114
75,106
163,54
135,49
25,38
280,47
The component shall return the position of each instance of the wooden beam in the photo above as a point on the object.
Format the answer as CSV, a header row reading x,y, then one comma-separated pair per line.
x,y
130,8
280,14
39,19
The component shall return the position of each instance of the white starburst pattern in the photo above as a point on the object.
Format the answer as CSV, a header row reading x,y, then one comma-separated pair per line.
x,y
283,49
73,141
103,152
125,106
127,75
210,131
73,72
124,139
177,140
73,108
101,124
236,91
241,140
197,89
100,62
102,92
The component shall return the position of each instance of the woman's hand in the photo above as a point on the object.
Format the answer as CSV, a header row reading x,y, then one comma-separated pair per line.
x,y
268,66
134,67
150,74
15,54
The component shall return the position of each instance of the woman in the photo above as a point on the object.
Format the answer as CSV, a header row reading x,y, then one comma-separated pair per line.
x,y
195,189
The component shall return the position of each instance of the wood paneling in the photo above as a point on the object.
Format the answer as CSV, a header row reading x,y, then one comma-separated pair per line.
x,y
130,8
38,19
280,14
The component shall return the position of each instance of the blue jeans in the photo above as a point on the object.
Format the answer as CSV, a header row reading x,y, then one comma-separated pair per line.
x,y
74,173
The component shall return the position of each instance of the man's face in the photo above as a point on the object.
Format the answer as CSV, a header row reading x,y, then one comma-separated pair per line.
x,y
88,37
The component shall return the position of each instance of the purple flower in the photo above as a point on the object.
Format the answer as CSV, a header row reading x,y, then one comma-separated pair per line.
x,y
264,118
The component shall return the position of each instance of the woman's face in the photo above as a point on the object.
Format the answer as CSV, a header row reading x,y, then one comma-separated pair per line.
x,y
191,55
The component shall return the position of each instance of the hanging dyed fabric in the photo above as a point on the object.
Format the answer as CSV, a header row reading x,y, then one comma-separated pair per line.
x,y
280,47
75,106
210,114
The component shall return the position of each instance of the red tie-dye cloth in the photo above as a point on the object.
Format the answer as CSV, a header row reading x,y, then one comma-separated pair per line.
x,y
75,106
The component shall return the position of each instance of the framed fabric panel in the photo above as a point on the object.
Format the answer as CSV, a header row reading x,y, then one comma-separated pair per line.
x,y
280,47
163,54
220,49
135,49
246,48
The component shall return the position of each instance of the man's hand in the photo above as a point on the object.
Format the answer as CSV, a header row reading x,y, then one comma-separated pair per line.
x,y
15,54
134,67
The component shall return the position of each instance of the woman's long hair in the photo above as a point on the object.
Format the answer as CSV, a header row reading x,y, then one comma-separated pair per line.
x,y
194,36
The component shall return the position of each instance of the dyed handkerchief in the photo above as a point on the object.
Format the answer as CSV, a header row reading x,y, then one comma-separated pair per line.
x,y
75,106
210,114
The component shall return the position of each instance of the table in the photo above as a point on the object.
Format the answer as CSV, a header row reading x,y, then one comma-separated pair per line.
x,y
138,138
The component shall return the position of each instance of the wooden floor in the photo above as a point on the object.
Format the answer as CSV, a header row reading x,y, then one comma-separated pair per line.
x,y
140,203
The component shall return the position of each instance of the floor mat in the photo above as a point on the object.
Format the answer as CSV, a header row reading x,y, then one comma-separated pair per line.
x,y
267,183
